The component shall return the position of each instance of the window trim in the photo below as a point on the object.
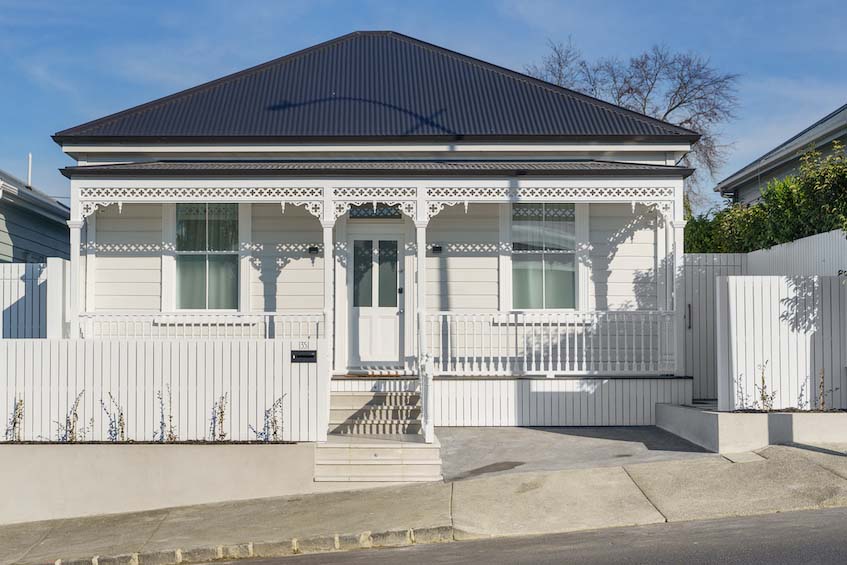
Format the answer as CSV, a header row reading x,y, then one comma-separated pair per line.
x,y
169,255
581,275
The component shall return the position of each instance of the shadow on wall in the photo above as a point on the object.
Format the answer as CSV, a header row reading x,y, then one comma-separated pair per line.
x,y
645,295
25,315
270,267
608,340
814,309
587,401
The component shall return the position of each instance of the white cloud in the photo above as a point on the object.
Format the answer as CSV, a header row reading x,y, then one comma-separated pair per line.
x,y
41,73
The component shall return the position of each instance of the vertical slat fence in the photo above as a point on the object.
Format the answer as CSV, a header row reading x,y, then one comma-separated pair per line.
x,y
23,300
700,271
791,331
162,386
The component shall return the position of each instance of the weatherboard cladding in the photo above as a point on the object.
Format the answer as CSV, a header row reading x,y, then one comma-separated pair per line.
x,y
376,84
293,168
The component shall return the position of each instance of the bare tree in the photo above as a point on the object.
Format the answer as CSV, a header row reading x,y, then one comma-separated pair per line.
x,y
680,88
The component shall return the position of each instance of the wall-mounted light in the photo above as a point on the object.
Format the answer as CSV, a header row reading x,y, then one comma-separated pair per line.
x,y
313,250
436,250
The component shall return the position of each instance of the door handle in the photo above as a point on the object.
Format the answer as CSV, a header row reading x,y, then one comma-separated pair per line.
x,y
399,291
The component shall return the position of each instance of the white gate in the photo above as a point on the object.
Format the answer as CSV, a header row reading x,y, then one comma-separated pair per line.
x,y
700,340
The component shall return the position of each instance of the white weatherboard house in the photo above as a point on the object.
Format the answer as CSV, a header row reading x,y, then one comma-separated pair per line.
x,y
479,247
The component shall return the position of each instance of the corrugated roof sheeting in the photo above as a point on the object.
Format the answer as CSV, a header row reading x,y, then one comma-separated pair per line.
x,y
374,84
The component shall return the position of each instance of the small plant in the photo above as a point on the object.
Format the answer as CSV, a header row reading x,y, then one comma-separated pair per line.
x,y
117,421
216,427
802,400
167,431
823,391
742,399
765,399
14,428
70,432
272,427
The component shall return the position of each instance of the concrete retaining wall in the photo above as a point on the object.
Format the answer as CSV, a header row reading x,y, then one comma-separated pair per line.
x,y
49,481
732,432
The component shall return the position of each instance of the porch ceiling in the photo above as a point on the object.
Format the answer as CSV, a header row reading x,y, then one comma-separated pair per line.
x,y
394,168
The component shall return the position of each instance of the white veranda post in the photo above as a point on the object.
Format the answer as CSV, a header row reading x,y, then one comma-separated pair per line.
x,y
329,287
75,227
424,368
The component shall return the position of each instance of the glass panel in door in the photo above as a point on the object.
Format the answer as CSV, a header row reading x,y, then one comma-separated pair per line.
x,y
362,273
387,261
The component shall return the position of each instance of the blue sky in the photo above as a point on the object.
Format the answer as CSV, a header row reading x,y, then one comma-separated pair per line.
x,y
63,63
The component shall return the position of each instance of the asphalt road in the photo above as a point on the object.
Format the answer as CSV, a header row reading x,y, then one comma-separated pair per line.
x,y
797,537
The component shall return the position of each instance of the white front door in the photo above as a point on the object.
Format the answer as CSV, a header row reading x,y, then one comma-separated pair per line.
x,y
376,297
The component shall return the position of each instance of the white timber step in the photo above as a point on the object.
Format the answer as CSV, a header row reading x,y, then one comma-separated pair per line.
x,y
401,458
375,412
389,427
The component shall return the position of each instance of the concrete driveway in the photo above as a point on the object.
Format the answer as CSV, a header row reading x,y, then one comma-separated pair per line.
x,y
471,452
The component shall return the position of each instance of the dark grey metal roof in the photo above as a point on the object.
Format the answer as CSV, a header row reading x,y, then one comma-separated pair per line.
x,y
376,85
834,123
371,168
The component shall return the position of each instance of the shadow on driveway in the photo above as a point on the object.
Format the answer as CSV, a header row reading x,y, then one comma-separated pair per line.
x,y
471,452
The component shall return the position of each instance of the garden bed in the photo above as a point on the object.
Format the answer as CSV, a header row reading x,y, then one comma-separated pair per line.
x,y
733,432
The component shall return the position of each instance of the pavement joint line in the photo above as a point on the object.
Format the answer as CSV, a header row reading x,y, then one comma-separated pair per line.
x,y
155,530
39,541
817,464
644,494
450,509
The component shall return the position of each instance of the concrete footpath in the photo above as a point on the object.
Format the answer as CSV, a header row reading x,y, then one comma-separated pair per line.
x,y
778,479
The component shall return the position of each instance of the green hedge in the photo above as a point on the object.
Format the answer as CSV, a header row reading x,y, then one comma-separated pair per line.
x,y
811,202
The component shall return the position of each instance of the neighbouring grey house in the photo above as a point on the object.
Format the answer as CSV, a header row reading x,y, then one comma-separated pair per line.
x,y
33,226
745,185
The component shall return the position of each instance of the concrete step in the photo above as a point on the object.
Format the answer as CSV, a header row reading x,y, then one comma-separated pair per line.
x,y
338,454
396,459
383,472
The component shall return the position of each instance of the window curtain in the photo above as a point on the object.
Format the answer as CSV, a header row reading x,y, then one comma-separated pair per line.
x,y
543,256
206,277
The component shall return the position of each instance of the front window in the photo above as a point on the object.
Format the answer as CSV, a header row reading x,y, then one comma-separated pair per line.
x,y
543,256
207,256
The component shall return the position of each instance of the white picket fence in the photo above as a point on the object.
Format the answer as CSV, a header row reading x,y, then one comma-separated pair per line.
x,y
791,329
23,300
158,384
